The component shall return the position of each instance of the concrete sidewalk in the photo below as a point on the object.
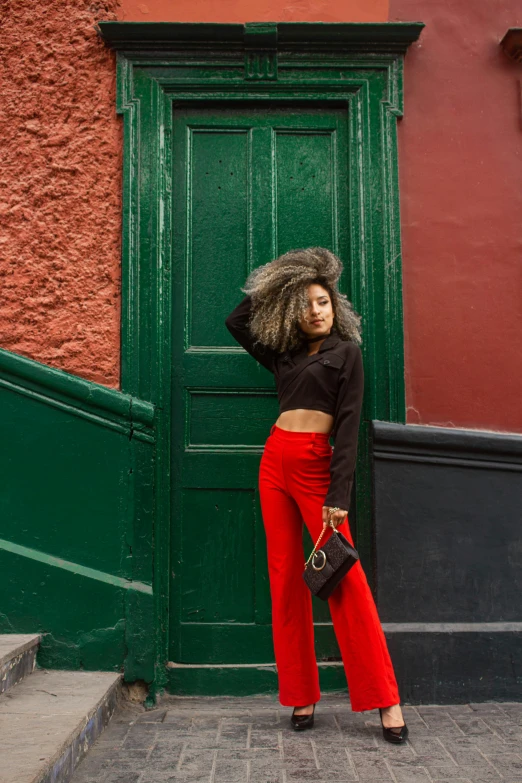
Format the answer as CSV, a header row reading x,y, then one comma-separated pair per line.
x,y
249,740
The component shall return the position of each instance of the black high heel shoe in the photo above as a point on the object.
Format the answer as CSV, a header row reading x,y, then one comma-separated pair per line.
x,y
395,734
301,722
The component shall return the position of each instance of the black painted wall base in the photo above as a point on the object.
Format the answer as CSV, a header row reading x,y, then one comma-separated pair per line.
x,y
457,667
448,561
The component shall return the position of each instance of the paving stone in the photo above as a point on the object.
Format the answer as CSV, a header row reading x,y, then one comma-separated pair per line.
x,y
409,762
464,754
345,715
152,716
196,762
428,751
208,704
405,775
115,732
504,728
442,771
414,720
99,765
89,776
360,740
202,739
161,754
511,708
493,744
226,741
386,749
266,720
493,706
265,776
292,752
261,760
208,722
441,722
176,721
137,742
465,710
484,774
233,735
328,723
296,772
183,725
335,762
230,771
473,726
265,739
507,764
369,766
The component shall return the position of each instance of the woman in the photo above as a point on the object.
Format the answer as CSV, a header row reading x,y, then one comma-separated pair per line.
x,y
297,324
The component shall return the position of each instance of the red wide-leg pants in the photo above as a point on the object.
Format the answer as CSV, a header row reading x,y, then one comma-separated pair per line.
x,y
293,480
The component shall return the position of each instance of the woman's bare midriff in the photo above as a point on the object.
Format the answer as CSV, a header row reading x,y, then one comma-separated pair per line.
x,y
304,420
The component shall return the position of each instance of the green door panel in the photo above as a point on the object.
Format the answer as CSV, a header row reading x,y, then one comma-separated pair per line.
x,y
306,172
248,185
214,421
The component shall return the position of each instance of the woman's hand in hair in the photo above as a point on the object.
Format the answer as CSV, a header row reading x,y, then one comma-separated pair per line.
x,y
333,516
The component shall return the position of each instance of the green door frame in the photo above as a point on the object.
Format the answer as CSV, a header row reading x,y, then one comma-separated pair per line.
x,y
358,65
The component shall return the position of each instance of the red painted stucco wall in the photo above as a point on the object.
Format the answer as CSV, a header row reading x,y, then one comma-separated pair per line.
x,y
254,11
460,155
460,158
60,182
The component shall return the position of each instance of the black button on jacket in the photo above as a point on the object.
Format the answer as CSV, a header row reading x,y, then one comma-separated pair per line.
x,y
331,380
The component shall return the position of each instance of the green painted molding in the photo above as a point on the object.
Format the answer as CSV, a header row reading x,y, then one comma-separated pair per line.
x,y
393,37
84,398
74,568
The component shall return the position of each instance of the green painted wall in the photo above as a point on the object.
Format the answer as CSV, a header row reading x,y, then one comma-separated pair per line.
x,y
76,463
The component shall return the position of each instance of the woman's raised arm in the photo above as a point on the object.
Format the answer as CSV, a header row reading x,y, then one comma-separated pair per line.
x,y
237,324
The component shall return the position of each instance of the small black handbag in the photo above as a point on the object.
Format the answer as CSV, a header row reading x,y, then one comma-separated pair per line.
x,y
325,567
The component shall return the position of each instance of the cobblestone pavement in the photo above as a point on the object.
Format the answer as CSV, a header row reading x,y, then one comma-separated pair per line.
x,y
240,740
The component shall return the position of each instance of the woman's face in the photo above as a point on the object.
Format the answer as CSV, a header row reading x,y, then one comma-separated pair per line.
x,y
318,317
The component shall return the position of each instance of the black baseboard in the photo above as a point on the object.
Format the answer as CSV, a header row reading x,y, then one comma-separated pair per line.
x,y
448,559
457,667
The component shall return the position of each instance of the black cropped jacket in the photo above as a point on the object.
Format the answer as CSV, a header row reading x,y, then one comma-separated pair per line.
x,y
331,380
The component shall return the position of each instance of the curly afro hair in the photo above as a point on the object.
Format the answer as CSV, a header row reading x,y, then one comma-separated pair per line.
x,y
279,297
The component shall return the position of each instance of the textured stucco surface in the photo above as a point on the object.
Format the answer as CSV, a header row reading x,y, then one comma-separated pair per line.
x,y
60,184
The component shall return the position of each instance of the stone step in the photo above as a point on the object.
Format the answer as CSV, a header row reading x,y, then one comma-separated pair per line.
x,y
48,722
17,657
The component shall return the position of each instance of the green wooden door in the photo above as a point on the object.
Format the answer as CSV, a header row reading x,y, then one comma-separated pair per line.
x,y
249,184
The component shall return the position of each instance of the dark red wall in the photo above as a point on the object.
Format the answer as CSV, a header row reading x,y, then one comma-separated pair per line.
x,y
460,156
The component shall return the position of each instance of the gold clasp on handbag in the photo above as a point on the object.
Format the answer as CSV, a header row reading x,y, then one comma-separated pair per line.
x,y
320,567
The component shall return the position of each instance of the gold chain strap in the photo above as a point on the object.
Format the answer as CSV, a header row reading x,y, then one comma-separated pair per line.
x,y
322,534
